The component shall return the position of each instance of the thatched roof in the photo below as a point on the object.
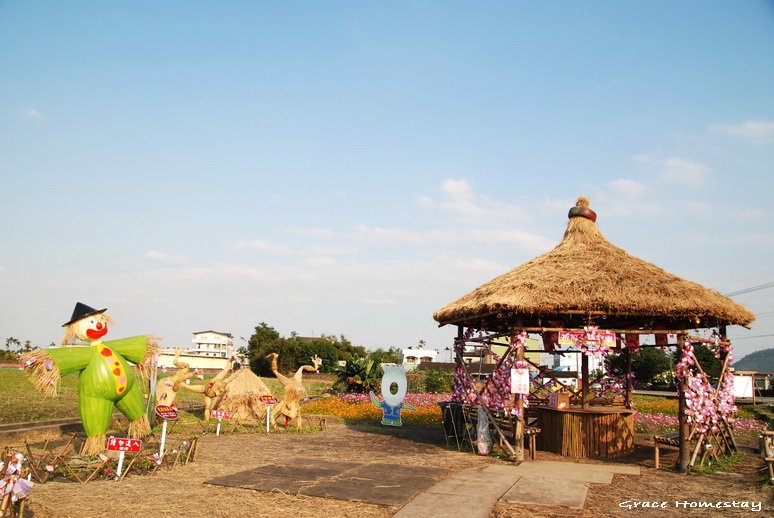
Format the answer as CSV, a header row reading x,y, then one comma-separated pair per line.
x,y
587,276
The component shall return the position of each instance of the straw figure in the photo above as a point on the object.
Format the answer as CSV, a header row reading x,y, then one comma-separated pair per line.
x,y
106,375
166,388
213,388
241,394
290,407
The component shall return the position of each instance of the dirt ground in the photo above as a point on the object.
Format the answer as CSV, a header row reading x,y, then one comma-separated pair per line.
x,y
182,491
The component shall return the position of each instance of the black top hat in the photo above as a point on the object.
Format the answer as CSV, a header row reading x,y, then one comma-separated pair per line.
x,y
82,311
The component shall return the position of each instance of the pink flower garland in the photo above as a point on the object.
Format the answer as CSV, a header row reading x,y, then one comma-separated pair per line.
x,y
592,344
497,394
705,405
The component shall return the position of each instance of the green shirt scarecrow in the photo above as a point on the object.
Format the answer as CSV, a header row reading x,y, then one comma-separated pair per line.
x,y
106,376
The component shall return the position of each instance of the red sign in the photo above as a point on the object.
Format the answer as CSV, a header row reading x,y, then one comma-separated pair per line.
x,y
166,412
268,399
220,414
574,337
122,444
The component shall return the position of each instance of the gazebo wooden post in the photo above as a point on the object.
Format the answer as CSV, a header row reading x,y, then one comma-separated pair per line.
x,y
628,374
521,422
584,380
460,336
684,428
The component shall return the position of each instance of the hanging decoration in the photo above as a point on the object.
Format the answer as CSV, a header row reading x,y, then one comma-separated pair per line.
x,y
593,343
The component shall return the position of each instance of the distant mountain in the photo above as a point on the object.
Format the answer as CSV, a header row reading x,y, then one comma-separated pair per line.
x,y
761,361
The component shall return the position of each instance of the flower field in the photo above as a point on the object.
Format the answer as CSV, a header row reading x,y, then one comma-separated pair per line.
x,y
358,407
654,415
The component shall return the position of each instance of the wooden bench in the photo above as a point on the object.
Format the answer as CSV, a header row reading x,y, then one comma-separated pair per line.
x,y
668,439
697,444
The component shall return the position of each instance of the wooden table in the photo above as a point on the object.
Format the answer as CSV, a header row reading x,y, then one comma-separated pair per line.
x,y
590,432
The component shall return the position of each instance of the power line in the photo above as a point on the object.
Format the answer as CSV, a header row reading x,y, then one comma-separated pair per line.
x,y
750,289
746,337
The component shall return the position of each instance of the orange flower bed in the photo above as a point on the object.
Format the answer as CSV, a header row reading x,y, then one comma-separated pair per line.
x,y
363,410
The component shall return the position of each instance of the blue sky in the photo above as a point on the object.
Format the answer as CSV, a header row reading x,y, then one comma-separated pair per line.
x,y
350,167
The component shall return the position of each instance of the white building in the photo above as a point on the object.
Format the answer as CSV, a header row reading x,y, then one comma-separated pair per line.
x,y
213,344
410,358
211,351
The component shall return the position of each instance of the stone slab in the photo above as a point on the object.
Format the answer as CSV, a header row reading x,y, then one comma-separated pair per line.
x,y
468,493
546,491
433,505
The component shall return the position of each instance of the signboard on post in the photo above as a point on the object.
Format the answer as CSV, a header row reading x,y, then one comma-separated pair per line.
x,y
268,399
124,445
166,412
220,414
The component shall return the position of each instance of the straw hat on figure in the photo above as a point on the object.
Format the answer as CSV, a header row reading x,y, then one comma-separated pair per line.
x,y
106,377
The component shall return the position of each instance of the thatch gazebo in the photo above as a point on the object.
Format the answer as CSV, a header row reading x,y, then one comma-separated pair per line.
x,y
586,283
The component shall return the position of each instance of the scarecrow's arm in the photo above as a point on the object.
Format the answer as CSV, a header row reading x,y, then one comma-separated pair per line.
x,y
137,349
408,407
375,401
45,367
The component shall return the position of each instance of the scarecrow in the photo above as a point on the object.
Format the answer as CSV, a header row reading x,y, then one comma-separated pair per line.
x,y
167,388
213,389
290,407
106,375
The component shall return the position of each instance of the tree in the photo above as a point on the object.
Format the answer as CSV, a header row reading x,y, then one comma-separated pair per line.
x,y
391,355
647,364
11,341
296,350
706,359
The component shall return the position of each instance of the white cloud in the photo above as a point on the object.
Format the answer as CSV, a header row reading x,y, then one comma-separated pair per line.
x,y
642,158
320,261
461,203
750,214
32,113
490,236
319,232
682,171
165,257
751,131
333,250
259,245
628,187
373,301
756,239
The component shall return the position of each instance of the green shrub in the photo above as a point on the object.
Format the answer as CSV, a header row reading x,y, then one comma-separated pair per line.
x,y
438,382
416,382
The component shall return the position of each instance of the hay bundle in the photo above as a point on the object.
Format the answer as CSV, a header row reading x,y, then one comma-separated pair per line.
x,y
240,396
